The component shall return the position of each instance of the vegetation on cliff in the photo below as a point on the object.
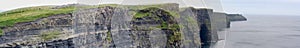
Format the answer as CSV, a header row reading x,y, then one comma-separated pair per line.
x,y
49,35
1,32
165,19
108,37
191,20
12,17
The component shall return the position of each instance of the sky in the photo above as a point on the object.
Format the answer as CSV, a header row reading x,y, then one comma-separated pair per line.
x,y
13,4
265,7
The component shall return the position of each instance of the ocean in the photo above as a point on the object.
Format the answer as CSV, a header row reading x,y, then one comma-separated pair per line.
x,y
265,31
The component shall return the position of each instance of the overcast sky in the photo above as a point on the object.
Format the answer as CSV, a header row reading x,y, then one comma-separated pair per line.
x,y
267,7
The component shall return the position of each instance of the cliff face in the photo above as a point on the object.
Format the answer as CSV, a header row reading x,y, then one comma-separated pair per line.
x,y
30,31
150,26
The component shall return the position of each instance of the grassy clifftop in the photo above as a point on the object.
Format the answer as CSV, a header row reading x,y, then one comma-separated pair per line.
x,y
28,14
9,18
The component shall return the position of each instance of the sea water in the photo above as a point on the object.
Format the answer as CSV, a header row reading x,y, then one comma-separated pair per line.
x,y
265,31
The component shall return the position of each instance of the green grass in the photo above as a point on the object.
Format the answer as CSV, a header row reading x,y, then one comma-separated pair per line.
x,y
141,15
142,7
10,18
1,32
152,9
49,35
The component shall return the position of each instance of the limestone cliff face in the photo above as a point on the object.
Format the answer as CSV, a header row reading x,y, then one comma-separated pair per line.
x,y
163,26
29,32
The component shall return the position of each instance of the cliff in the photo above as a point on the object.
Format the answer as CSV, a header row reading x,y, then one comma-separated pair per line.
x,y
110,26
236,17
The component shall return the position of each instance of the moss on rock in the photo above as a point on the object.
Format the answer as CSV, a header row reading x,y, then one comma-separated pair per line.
x,y
108,37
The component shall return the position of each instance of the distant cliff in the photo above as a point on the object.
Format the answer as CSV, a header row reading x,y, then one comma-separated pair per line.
x,y
111,25
236,17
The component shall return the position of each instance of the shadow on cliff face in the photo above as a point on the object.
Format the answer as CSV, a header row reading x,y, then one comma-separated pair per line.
x,y
204,36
